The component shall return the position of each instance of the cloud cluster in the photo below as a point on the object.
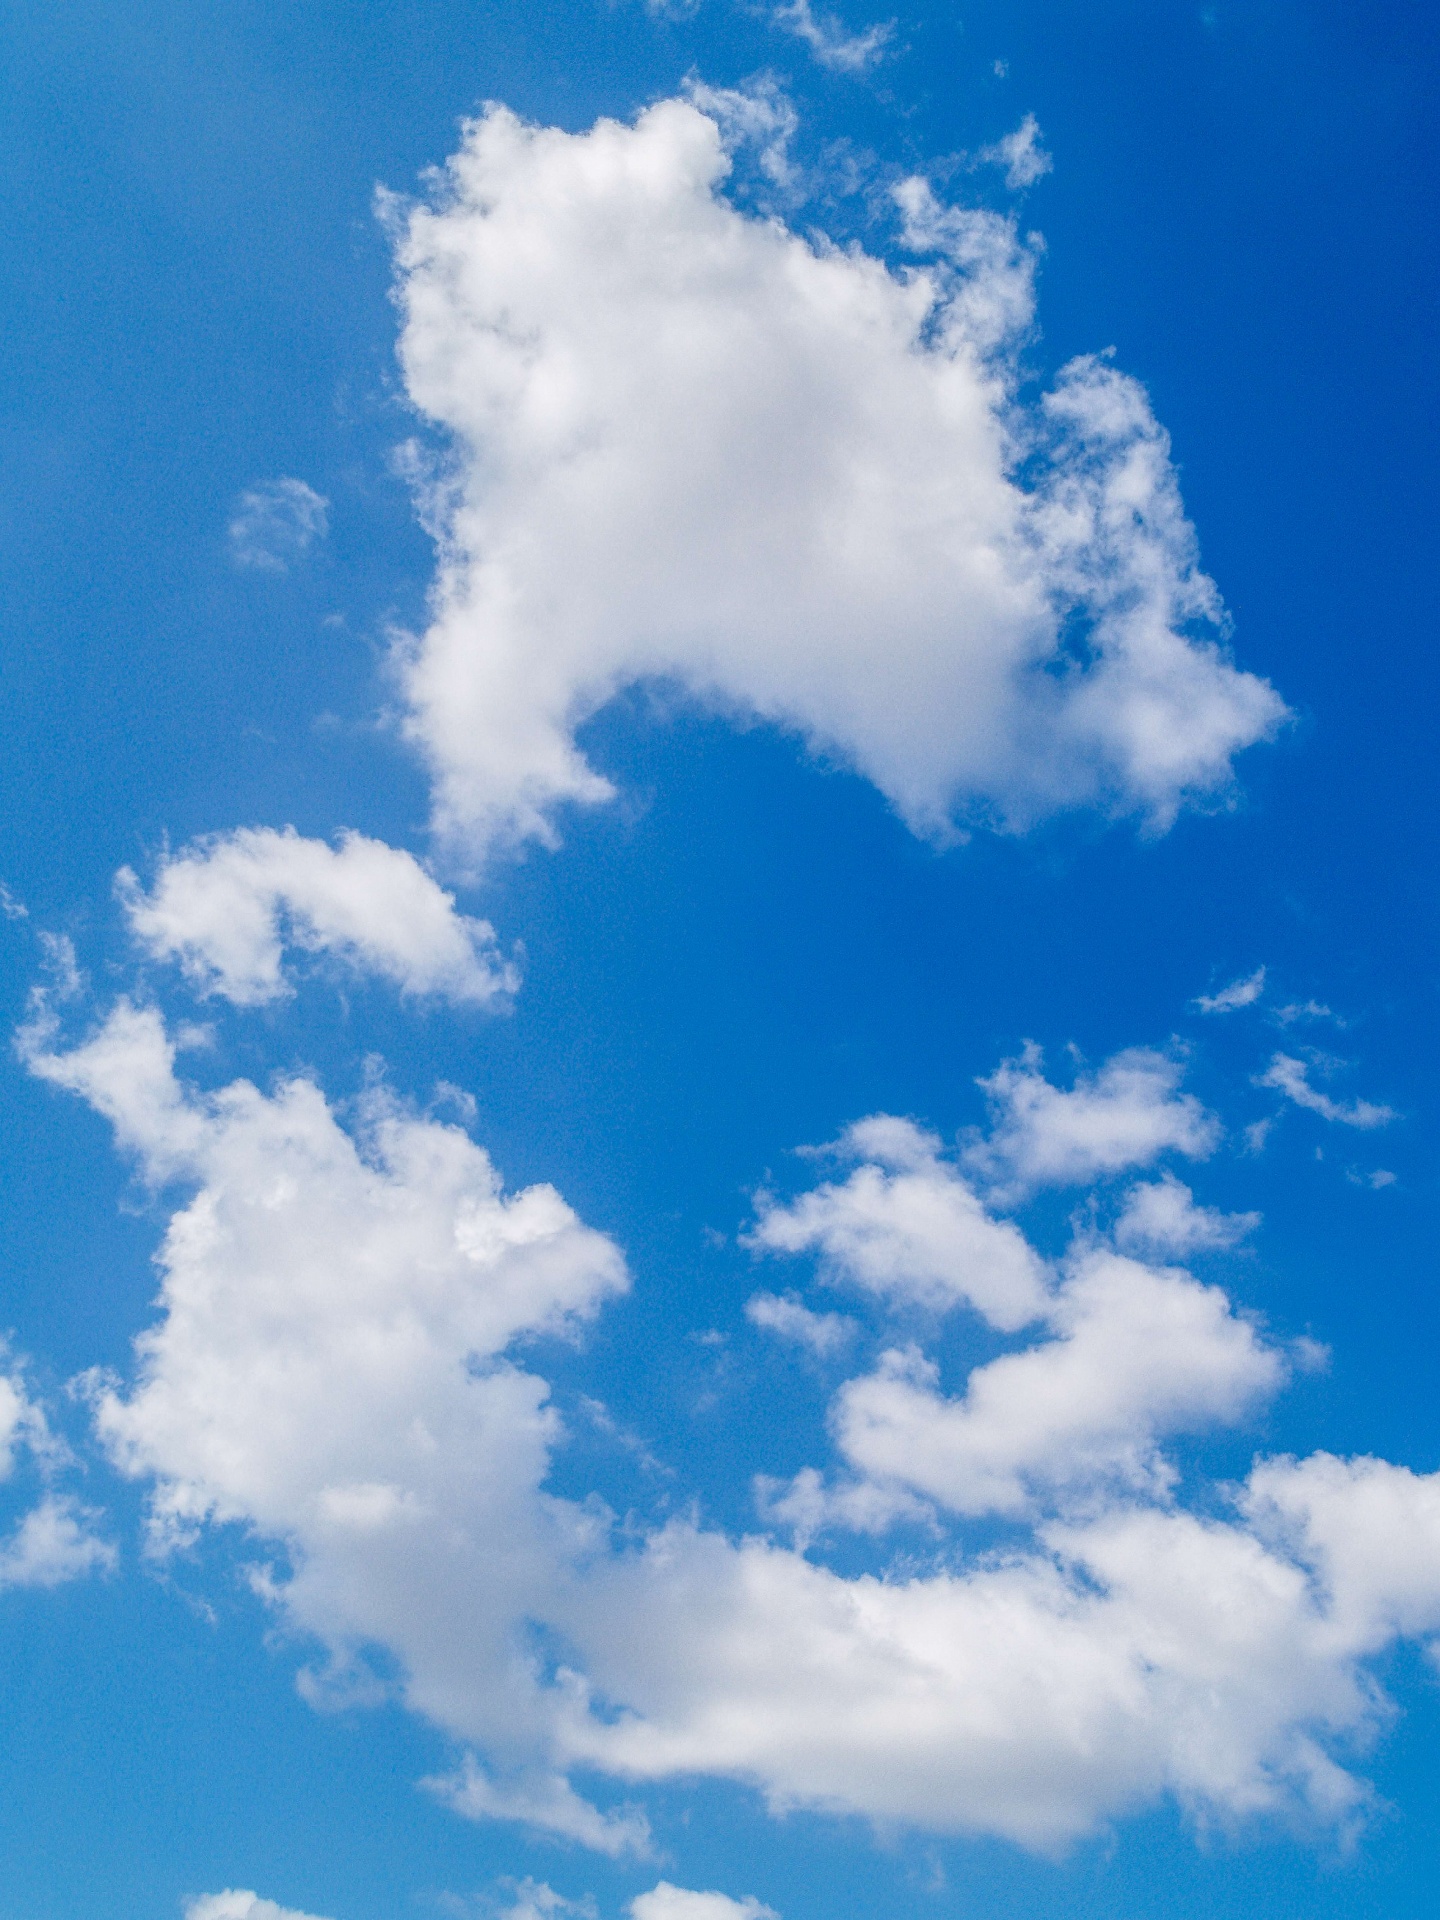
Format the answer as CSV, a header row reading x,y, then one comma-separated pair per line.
x,y
334,1370
227,907
693,445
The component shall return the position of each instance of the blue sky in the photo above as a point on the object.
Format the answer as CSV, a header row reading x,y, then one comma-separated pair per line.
x,y
611,645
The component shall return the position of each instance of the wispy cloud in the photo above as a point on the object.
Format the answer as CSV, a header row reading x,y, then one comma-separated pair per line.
x,y
1239,993
1291,1077
275,523
830,41
1021,155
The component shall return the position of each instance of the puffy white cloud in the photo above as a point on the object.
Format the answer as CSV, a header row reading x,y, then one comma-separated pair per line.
x,y
226,907
1137,1353
235,1904
667,1902
1161,1217
1125,1115
1291,1077
828,39
330,1365
790,1319
693,444
1032,1696
276,523
907,1226
54,1542
1240,993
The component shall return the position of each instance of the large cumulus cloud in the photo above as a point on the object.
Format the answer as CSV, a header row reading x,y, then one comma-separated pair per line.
x,y
695,444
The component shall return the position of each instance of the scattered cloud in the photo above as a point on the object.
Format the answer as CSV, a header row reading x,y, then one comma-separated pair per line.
x,y
790,1319
694,445
828,39
54,1542
1161,1217
1305,1010
1291,1077
226,908
545,1802
907,1226
275,523
333,1367
1021,155
1375,1178
1239,993
1125,1115
536,1900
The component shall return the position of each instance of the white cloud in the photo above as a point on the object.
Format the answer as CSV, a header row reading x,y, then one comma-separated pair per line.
x,y
544,1801
276,523
907,1226
790,1319
666,1902
1021,155
330,1367
1126,1115
1161,1217
1306,1010
1138,1353
535,1900
226,908
808,1506
1291,1077
696,445
330,1370
1239,993
235,1904
759,116
1031,1696
54,1542
827,38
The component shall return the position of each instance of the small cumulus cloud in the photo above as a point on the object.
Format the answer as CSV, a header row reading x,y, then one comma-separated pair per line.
x,y
238,1903
1021,154
275,523
790,1319
667,1902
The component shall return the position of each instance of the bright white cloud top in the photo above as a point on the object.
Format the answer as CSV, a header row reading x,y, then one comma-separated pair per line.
x,y
238,1904
693,444
227,907
333,1370
667,1902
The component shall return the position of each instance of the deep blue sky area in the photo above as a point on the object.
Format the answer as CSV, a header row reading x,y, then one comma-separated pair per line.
x,y
748,951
